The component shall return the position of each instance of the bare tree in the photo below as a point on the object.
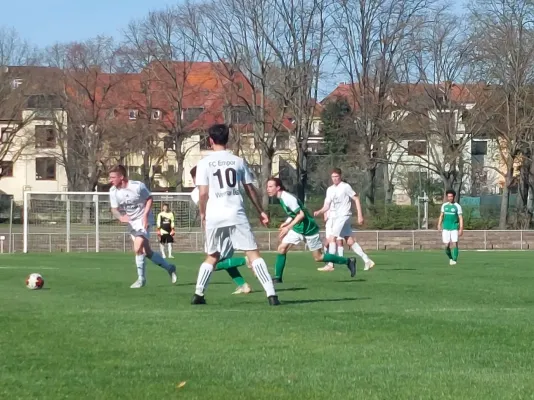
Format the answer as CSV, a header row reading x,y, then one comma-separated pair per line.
x,y
17,81
445,115
370,38
162,48
503,36
90,91
257,52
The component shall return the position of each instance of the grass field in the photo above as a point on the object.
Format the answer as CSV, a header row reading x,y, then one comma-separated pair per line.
x,y
413,328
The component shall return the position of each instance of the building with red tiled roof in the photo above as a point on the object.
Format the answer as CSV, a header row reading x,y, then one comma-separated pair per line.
x,y
419,116
153,119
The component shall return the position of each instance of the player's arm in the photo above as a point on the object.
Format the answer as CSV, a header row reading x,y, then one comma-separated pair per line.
x,y
460,220
358,205
115,208
158,221
326,206
172,224
349,191
202,182
144,193
298,218
252,193
440,220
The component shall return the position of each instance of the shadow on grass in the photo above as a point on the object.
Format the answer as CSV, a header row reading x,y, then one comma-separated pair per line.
x,y
353,280
323,300
210,284
399,269
295,289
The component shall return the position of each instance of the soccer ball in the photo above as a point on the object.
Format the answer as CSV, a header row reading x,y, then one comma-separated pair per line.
x,y
34,282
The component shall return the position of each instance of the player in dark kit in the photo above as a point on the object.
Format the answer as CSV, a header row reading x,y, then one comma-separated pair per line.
x,y
165,226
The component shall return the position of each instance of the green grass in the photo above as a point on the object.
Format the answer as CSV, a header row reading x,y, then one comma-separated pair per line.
x,y
413,328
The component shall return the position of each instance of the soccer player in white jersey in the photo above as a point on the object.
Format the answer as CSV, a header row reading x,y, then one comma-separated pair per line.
x,y
227,261
131,203
339,242
338,201
223,214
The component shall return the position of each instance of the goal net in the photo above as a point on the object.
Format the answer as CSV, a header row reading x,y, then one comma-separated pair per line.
x,y
82,221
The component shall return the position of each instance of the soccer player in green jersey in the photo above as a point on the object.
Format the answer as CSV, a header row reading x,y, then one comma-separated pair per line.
x,y
300,226
451,223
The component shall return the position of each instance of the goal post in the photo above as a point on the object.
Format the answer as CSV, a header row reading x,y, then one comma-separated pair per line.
x,y
82,221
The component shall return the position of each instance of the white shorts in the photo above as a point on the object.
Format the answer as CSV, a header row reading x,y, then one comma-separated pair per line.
x,y
328,230
238,237
449,236
313,241
136,229
340,227
225,250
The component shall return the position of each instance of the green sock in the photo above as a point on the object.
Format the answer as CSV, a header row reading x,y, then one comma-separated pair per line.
x,y
448,252
236,276
334,259
231,262
455,254
279,265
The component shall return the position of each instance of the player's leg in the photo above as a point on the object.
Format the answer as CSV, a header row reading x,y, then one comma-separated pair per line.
x,y
331,249
214,239
162,244
230,264
340,247
281,257
455,249
446,239
139,262
315,246
243,239
156,258
169,241
346,232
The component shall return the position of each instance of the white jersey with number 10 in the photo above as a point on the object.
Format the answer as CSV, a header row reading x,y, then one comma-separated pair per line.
x,y
223,173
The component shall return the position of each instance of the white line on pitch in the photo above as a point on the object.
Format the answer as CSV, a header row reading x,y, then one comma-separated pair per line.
x,y
45,268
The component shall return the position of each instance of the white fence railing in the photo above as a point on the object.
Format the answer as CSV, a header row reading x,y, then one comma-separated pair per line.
x,y
192,241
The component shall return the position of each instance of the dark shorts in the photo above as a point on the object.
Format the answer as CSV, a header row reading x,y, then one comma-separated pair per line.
x,y
167,238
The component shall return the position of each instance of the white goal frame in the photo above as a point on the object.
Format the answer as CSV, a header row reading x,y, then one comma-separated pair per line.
x,y
93,198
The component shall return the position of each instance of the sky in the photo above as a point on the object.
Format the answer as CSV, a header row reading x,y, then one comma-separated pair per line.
x,y
54,21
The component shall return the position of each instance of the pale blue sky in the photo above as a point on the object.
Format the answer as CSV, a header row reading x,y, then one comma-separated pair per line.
x,y
47,22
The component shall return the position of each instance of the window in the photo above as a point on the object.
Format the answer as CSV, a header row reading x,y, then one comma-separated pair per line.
x,y
5,134
191,114
168,143
479,147
45,169
156,169
113,113
241,115
6,168
156,114
417,148
282,141
45,137
204,143
132,114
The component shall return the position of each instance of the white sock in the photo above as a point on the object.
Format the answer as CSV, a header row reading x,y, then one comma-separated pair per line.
x,y
204,274
140,262
157,259
332,248
359,251
262,273
162,249
169,249
340,251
